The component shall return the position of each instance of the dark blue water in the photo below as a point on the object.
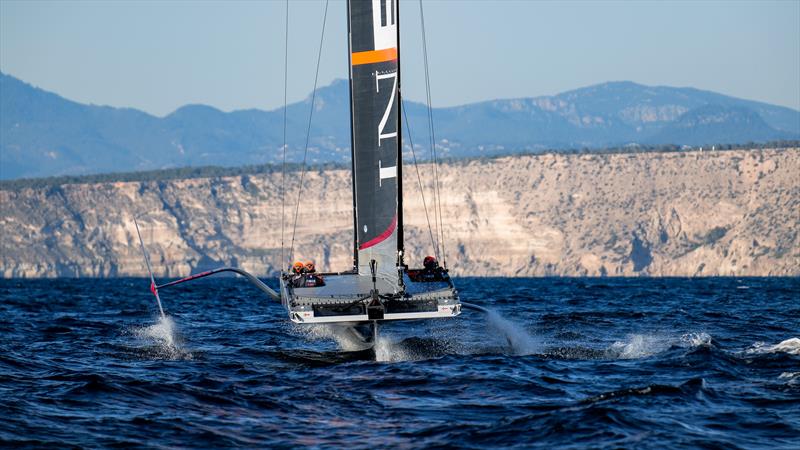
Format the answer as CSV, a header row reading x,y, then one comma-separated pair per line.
x,y
601,363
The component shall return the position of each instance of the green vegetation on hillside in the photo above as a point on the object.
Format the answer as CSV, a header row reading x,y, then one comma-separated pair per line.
x,y
218,171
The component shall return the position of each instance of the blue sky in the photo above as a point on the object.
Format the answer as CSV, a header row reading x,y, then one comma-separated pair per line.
x,y
158,56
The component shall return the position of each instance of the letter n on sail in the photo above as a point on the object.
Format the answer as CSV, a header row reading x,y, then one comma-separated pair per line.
x,y
374,82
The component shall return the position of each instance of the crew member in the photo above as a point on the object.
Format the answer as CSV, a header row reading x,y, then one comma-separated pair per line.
x,y
298,278
430,263
431,271
312,278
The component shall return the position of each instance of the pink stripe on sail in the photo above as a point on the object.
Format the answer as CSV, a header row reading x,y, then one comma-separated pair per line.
x,y
381,237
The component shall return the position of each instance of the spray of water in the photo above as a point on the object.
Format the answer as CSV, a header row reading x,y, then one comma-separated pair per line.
x,y
341,334
637,346
519,340
164,339
388,350
696,339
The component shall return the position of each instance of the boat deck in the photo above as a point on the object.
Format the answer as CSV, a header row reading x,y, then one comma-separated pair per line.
x,y
348,297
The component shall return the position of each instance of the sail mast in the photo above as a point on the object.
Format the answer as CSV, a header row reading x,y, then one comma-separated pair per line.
x,y
400,240
352,140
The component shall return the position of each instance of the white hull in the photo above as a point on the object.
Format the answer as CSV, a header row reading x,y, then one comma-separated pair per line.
x,y
345,298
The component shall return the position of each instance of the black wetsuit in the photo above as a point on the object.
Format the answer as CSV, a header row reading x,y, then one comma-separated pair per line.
x,y
298,280
301,280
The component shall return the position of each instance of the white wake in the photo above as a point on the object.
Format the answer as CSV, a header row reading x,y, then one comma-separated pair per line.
x,y
790,346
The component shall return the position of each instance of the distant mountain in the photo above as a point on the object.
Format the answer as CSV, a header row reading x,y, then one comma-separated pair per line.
x,y
43,134
728,123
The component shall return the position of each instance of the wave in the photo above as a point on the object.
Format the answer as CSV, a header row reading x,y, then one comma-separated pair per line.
x,y
644,345
634,346
321,359
637,346
691,386
696,339
790,346
517,342
792,378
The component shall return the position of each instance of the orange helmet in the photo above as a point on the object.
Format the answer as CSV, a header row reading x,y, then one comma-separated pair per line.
x,y
297,267
310,266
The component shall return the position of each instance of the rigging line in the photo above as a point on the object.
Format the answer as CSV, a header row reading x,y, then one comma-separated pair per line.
x,y
419,180
437,189
431,139
432,136
308,131
283,167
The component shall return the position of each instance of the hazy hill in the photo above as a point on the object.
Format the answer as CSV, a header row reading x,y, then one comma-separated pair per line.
x,y
43,134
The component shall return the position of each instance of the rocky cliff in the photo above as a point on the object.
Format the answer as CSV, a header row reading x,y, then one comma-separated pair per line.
x,y
659,214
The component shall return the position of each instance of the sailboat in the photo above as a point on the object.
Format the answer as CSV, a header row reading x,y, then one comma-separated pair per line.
x,y
380,286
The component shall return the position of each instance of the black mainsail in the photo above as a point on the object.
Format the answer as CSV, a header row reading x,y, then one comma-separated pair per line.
x,y
375,100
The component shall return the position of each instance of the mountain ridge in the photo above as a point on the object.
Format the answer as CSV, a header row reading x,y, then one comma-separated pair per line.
x,y
45,134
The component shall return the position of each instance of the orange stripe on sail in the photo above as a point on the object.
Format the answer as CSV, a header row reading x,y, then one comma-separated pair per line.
x,y
373,56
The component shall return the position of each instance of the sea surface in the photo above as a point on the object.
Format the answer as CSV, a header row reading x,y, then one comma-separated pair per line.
x,y
560,363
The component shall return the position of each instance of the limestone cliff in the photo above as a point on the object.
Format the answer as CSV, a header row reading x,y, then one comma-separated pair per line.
x,y
659,214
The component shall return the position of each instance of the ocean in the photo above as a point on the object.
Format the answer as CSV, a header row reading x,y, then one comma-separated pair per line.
x,y
559,363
